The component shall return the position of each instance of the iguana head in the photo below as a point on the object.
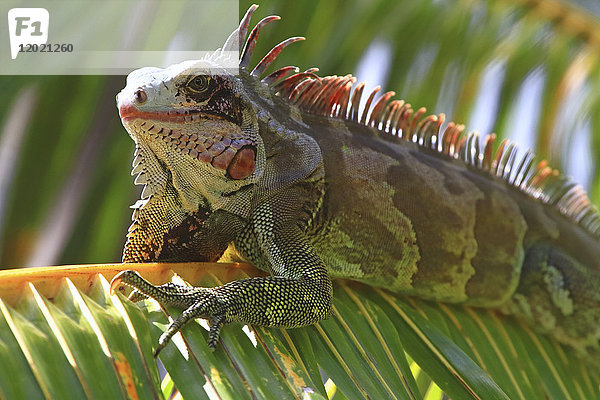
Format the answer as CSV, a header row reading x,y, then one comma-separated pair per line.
x,y
190,127
195,127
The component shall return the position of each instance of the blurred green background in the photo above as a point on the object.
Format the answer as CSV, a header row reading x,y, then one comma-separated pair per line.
x,y
525,69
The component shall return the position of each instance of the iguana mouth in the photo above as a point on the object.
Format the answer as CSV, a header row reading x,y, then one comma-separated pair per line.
x,y
129,112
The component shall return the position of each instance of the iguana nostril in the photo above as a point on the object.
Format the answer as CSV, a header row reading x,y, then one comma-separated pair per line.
x,y
140,96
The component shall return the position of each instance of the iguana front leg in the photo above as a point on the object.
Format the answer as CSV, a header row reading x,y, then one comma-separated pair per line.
x,y
299,292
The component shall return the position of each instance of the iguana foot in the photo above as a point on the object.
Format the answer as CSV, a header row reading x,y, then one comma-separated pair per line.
x,y
198,303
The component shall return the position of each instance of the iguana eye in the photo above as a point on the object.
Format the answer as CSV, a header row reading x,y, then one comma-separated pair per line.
x,y
140,96
199,83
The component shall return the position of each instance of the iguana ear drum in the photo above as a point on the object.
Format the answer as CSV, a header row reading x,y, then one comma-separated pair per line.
x,y
243,163
238,163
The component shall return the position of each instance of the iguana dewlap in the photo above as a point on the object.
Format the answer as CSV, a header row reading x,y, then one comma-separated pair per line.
x,y
286,174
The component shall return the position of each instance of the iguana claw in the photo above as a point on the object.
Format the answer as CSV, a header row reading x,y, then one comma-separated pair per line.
x,y
197,302
121,279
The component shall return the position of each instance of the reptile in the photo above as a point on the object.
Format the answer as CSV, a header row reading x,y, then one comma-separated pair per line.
x,y
285,172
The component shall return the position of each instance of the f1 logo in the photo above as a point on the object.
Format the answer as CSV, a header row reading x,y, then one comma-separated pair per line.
x,y
27,26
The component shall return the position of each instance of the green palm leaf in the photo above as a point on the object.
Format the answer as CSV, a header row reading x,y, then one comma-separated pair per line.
x,y
376,345
65,189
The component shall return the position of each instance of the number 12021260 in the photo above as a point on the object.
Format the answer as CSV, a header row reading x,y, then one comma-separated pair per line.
x,y
46,48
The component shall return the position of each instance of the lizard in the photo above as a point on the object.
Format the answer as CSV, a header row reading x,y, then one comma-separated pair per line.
x,y
284,172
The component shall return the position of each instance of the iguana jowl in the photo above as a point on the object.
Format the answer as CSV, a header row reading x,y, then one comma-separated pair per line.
x,y
283,172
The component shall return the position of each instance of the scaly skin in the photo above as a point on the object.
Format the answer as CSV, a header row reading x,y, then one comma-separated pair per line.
x,y
234,171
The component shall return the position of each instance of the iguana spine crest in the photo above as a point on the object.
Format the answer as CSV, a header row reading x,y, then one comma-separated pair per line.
x,y
334,97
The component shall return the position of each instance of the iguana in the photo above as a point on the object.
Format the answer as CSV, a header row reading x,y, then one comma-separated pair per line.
x,y
284,172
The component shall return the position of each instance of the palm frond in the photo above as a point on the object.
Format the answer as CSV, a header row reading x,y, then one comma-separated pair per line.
x,y
64,333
